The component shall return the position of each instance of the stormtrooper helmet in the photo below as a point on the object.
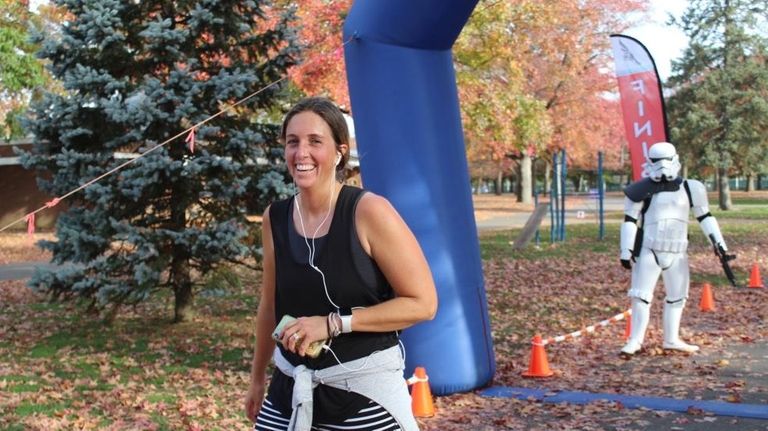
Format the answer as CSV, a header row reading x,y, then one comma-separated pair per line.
x,y
662,163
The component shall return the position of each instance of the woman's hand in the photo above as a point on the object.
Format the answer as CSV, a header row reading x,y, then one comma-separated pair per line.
x,y
299,334
253,399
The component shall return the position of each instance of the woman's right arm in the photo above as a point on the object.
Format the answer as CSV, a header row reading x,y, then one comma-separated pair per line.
x,y
265,324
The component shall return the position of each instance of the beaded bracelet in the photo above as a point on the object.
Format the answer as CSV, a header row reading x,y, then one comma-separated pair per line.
x,y
333,329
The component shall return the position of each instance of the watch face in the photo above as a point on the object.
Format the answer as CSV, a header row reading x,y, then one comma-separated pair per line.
x,y
346,324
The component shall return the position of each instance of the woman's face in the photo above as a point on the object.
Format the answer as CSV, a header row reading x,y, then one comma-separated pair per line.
x,y
310,150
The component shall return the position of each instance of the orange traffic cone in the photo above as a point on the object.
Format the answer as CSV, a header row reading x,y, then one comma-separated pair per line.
x,y
707,302
421,395
539,366
755,281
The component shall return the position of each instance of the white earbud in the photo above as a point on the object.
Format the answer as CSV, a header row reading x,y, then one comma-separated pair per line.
x,y
338,159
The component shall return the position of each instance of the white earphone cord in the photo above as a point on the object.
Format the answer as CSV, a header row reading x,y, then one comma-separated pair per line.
x,y
311,261
311,250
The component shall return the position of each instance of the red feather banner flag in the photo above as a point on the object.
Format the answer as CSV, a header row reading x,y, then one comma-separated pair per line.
x,y
642,103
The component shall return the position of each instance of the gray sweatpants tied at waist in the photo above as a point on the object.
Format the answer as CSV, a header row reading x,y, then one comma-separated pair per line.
x,y
378,377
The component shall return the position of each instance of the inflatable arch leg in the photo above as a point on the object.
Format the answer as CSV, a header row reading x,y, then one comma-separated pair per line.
x,y
408,126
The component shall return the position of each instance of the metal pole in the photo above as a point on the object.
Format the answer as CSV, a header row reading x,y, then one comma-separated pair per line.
x,y
553,200
535,205
563,171
601,194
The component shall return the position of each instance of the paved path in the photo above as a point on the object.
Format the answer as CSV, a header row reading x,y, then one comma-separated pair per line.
x,y
22,270
578,209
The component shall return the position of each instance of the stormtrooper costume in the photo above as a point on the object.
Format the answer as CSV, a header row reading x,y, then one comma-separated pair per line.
x,y
659,247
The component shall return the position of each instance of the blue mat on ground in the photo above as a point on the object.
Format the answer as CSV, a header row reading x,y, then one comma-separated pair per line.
x,y
755,411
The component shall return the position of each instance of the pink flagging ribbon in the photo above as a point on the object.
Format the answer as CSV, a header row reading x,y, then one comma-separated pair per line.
x,y
52,203
191,140
31,226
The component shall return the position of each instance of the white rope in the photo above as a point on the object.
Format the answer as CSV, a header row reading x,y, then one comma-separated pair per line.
x,y
588,329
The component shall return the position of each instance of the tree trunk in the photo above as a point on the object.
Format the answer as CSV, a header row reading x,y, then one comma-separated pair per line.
x,y
751,182
111,314
180,277
525,174
183,307
724,190
625,176
547,176
499,181
182,287
684,171
93,309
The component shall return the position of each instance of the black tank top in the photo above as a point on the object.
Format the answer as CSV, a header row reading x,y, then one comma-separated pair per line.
x,y
353,280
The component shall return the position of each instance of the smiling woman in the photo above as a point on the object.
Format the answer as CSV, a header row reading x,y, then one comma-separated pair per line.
x,y
316,142
343,263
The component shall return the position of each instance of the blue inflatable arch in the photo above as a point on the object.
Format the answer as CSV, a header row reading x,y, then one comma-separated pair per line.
x,y
408,127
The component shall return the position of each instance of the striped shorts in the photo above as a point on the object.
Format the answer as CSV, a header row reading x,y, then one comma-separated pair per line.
x,y
370,418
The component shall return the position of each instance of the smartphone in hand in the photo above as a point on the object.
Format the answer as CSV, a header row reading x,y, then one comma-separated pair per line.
x,y
280,326
314,349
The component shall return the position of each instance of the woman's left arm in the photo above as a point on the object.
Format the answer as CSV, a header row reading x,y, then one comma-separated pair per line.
x,y
388,240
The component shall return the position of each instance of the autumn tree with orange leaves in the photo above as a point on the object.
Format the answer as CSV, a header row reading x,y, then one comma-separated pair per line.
x,y
568,66
321,71
533,78
504,124
554,57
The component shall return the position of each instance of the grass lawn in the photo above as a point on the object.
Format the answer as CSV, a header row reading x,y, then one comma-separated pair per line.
x,y
65,370
62,369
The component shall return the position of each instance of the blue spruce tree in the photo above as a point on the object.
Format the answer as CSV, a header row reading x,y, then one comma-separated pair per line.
x,y
137,73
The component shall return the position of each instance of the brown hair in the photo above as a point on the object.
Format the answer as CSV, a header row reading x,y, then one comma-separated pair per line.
x,y
331,114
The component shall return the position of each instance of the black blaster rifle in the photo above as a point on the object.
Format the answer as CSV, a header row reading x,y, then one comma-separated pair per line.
x,y
724,259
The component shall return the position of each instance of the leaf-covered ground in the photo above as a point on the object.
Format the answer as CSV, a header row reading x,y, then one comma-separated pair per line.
x,y
62,369
559,289
558,295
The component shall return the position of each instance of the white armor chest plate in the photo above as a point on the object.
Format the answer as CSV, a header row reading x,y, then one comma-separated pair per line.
x,y
666,222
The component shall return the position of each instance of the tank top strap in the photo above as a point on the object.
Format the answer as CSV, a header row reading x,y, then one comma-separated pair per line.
x,y
279,217
344,215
